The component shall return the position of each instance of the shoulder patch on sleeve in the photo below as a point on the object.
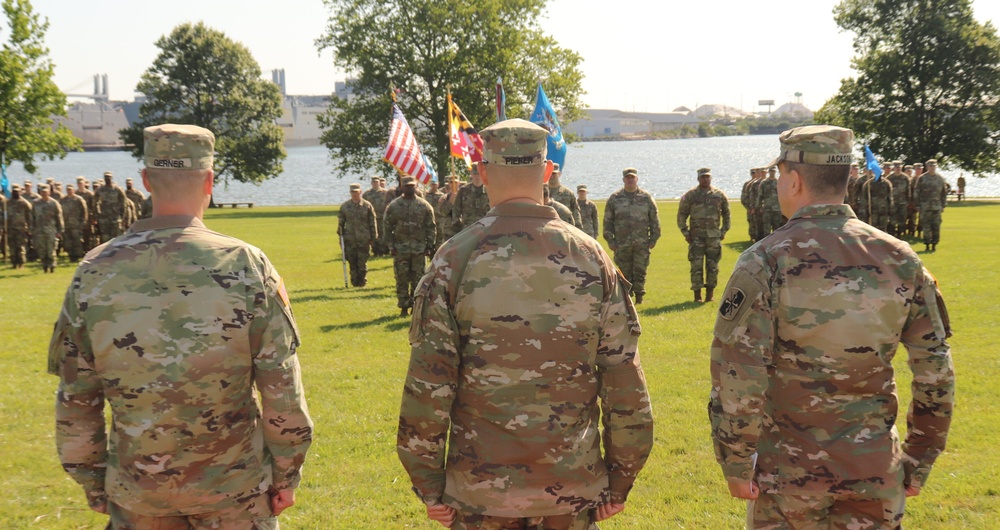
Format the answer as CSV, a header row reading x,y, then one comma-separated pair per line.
x,y
282,293
741,291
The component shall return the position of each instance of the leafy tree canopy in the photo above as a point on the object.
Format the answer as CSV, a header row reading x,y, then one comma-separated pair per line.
x,y
423,47
201,77
928,82
28,95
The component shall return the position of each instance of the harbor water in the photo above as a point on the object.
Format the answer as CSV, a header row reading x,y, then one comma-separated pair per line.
x,y
667,168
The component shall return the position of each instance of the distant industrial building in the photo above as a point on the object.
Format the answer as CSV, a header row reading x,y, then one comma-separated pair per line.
x,y
612,124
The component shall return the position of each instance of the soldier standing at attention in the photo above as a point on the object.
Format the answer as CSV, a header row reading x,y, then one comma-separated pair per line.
x,y
900,199
802,408
769,205
189,336
745,201
757,203
138,198
47,226
357,224
494,430
631,228
433,197
75,218
410,235
562,211
28,193
111,208
376,195
442,212
876,202
931,196
55,191
19,220
960,194
708,210
471,202
588,212
564,195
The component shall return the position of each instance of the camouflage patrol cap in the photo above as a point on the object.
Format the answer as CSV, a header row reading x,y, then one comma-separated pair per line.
x,y
171,146
908,166
15,187
630,171
355,187
49,180
931,162
43,187
897,162
108,174
128,180
917,164
705,171
81,178
514,143
27,182
581,187
555,168
407,181
70,187
823,145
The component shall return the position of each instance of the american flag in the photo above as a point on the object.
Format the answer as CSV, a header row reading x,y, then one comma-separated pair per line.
x,y
402,150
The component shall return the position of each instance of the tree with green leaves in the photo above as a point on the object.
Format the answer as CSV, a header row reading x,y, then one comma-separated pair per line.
x,y
423,48
927,85
202,77
29,98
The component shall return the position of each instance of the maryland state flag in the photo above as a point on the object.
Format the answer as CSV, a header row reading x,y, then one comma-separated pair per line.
x,y
464,138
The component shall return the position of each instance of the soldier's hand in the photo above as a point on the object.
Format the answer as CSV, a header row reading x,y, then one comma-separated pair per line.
x,y
606,511
651,245
282,499
441,513
100,508
912,491
743,490
687,238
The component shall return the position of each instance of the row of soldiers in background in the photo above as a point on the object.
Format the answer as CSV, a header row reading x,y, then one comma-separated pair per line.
x,y
39,224
760,198
384,221
905,201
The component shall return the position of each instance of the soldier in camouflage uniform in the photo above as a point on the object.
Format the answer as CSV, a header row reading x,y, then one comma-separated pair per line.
x,y
852,182
189,336
931,197
28,192
75,218
112,204
378,197
19,220
47,227
707,208
876,203
495,429
564,196
803,401
769,205
433,197
565,215
471,202
410,234
138,198
55,189
900,199
631,228
588,212
442,212
745,201
359,230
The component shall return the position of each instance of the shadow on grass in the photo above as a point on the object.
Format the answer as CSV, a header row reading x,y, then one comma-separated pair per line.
x,y
345,295
672,308
739,246
249,213
392,323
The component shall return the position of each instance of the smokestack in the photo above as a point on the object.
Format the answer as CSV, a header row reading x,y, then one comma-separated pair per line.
x,y
97,84
283,88
104,81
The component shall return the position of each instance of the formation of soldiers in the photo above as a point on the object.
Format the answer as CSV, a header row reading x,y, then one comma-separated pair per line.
x,y
759,197
42,225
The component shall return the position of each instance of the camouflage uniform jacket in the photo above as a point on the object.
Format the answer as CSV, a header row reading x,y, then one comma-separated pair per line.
x,y
178,328
563,212
802,371
433,199
136,196
378,198
409,226
471,204
74,211
19,216
931,192
769,195
900,188
876,196
706,209
567,198
631,219
111,202
755,195
588,213
745,194
47,217
356,222
523,338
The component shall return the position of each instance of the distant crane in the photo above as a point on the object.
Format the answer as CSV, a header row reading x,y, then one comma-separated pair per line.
x,y
100,89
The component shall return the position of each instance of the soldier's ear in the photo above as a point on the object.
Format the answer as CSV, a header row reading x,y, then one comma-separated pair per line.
x,y
145,181
549,168
482,173
209,180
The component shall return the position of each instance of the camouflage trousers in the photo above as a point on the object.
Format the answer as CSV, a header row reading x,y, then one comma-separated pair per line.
x,y
787,512
633,260
16,244
570,521
760,225
704,254
110,228
930,222
46,242
357,259
880,220
409,267
897,224
773,220
750,228
73,241
251,514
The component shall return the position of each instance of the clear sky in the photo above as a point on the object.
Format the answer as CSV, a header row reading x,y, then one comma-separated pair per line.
x,y
638,55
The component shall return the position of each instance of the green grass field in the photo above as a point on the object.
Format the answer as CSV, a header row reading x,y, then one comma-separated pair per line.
x,y
354,359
